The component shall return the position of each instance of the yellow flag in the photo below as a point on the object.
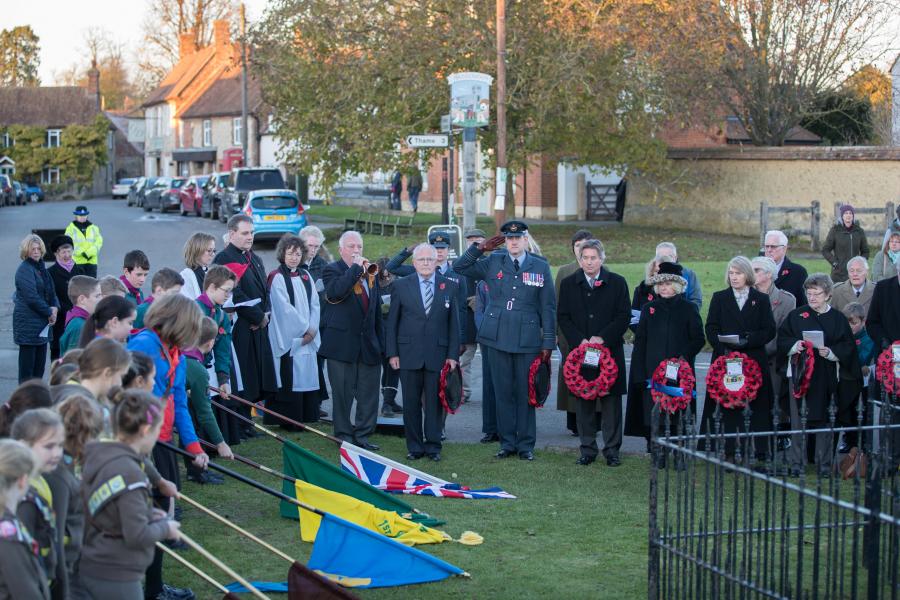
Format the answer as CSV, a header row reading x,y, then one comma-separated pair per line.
x,y
385,522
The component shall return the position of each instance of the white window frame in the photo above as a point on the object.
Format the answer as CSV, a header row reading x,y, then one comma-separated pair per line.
x,y
54,135
207,133
8,141
50,175
236,127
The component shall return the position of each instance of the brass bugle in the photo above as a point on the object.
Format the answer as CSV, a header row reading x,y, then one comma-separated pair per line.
x,y
372,268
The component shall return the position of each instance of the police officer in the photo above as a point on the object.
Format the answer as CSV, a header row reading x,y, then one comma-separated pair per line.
x,y
519,324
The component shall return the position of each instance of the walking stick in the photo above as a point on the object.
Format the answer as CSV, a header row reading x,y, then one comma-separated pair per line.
x,y
237,528
196,570
287,420
255,465
231,572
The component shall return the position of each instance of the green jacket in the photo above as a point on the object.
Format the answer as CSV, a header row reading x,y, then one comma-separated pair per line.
x,y
222,350
70,337
841,245
87,244
197,383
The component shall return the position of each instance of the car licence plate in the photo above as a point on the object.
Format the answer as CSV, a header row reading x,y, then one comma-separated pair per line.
x,y
274,218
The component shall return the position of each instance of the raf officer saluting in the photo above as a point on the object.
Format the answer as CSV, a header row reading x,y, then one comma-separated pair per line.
x,y
519,324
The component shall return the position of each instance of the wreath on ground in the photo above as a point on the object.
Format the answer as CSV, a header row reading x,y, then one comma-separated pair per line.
x,y
884,371
736,394
805,366
672,398
590,389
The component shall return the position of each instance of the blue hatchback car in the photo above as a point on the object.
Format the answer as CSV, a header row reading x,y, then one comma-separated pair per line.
x,y
275,212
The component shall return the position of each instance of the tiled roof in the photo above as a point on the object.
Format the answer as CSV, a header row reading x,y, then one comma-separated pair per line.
x,y
223,98
182,75
47,106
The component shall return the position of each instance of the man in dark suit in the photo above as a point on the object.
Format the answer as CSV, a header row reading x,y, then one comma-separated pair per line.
x,y
790,276
255,372
883,319
594,307
352,341
422,336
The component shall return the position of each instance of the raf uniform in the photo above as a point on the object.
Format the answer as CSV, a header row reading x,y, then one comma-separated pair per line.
x,y
519,322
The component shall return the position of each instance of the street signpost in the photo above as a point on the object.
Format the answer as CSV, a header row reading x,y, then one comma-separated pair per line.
x,y
439,140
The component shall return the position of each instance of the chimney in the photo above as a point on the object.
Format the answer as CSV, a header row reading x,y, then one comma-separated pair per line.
x,y
221,35
93,84
186,44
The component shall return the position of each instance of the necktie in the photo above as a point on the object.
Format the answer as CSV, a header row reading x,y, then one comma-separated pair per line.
x,y
857,293
516,264
591,282
429,295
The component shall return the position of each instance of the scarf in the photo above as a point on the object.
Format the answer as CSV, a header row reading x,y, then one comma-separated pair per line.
x,y
894,256
82,226
138,295
205,301
76,312
68,265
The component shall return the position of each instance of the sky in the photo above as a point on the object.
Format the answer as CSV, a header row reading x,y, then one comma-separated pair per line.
x,y
60,25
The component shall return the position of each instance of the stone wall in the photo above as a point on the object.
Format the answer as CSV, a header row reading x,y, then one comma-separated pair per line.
x,y
720,190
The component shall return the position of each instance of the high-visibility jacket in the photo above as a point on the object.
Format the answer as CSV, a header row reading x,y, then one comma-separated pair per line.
x,y
87,244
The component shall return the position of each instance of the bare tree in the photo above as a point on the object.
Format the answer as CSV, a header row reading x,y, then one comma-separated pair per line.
x,y
163,25
100,49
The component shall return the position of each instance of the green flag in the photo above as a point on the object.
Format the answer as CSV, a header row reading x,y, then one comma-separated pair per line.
x,y
303,464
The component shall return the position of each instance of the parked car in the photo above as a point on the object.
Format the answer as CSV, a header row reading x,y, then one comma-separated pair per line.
x,y
140,194
165,194
274,213
192,195
7,191
213,193
33,192
246,180
133,190
120,189
19,192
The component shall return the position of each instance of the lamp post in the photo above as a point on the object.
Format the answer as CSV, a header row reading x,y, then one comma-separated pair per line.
x,y
500,187
469,109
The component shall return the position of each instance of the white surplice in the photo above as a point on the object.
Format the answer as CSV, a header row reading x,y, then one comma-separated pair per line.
x,y
287,325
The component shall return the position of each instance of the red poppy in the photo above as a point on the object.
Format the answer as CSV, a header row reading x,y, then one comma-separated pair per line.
x,y
785,272
805,315
652,310
499,274
753,303
305,277
649,297
442,286
221,331
598,283
858,342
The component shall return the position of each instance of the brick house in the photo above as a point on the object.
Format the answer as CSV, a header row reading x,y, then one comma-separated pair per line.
x,y
190,121
54,108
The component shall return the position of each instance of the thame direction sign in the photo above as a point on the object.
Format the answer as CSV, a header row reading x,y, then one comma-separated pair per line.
x,y
428,141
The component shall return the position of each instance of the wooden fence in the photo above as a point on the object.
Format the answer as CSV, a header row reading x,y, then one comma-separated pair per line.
x,y
814,228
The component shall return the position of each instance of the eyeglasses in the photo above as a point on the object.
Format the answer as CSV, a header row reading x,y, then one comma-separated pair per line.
x,y
228,291
426,260
773,246
814,294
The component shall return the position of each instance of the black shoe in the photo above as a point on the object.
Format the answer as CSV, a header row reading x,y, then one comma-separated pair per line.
x,y
323,414
251,433
387,411
844,448
396,408
436,457
585,460
505,454
205,477
413,455
613,461
573,433
370,446
173,593
526,455
489,437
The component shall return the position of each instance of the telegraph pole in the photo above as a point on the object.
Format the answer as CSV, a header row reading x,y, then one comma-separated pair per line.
x,y
500,203
244,136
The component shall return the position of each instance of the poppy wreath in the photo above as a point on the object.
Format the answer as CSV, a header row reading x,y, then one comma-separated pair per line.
x,y
658,387
715,381
884,371
442,387
810,364
593,388
533,398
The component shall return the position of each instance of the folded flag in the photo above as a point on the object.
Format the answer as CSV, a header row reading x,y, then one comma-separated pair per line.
x,y
352,555
385,522
391,476
304,465
303,584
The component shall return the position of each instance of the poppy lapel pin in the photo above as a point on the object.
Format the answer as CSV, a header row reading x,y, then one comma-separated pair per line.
x,y
442,286
598,283
649,297
805,315
499,274
652,310
785,272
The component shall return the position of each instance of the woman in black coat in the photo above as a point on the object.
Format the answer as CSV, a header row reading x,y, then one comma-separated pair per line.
x,y
835,356
598,312
35,309
740,310
61,272
669,327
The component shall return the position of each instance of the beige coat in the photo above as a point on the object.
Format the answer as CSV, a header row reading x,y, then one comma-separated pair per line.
x,y
843,294
564,400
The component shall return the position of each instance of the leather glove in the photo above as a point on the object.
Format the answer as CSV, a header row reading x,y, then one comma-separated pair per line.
x,y
545,355
492,243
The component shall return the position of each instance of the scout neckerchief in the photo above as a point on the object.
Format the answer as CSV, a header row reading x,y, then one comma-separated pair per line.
x,y
172,356
138,295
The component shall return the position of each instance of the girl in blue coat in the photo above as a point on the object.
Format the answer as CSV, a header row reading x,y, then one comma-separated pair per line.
x,y
35,308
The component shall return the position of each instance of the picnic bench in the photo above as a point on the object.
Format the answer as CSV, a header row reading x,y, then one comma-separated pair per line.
x,y
381,222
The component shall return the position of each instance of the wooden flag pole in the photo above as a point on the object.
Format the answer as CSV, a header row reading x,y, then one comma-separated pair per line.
x,y
196,570
255,465
237,528
231,572
250,422
277,415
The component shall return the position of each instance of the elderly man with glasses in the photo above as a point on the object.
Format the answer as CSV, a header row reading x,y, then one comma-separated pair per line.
x,y
790,276
858,288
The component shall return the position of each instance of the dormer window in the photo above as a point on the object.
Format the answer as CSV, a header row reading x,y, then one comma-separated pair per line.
x,y
53,136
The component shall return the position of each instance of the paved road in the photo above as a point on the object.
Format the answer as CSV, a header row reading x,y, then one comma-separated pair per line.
x,y
162,238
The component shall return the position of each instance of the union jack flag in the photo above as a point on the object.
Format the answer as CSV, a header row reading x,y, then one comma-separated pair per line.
x,y
391,476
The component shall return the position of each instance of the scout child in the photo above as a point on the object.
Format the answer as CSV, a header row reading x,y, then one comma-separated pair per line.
x,y
84,292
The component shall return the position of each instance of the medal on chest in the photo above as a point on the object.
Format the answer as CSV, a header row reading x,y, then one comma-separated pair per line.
x,y
533,279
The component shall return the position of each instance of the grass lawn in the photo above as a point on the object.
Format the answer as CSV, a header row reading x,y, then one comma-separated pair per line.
x,y
573,532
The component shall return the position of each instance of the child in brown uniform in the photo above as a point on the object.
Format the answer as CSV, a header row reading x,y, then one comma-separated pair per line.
x,y
122,526
21,573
